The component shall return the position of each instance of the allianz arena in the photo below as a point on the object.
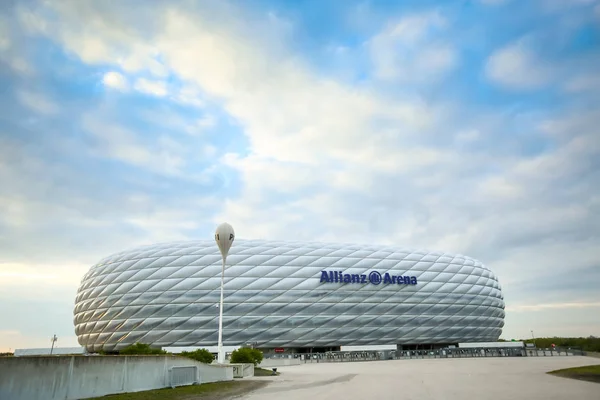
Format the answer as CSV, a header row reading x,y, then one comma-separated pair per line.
x,y
291,295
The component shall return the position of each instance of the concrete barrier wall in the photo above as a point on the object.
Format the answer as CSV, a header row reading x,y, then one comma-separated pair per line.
x,y
242,370
80,377
214,373
279,362
248,370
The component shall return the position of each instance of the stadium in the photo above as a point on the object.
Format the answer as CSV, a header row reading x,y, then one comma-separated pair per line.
x,y
302,297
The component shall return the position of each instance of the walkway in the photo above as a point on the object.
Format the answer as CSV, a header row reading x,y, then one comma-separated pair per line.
x,y
448,379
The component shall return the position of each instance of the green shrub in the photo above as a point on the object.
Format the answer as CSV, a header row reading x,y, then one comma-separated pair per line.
x,y
202,355
141,348
246,356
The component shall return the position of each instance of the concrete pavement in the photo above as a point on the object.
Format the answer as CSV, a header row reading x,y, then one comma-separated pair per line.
x,y
447,379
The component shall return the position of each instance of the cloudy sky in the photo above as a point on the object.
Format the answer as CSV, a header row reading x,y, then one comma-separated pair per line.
x,y
469,126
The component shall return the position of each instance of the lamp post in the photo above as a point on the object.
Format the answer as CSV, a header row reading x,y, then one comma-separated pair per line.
x,y
53,339
533,337
224,236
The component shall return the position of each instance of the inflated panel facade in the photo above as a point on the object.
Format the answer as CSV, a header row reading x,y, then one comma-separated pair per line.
x,y
282,294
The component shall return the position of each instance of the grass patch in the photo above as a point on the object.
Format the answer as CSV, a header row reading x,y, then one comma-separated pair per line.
x,y
590,373
206,391
263,372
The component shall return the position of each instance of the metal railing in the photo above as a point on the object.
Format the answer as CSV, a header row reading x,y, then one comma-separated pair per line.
x,y
354,356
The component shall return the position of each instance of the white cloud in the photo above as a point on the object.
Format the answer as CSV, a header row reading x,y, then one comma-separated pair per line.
x,y
299,124
37,102
165,154
21,66
165,118
583,83
499,187
32,22
138,61
469,135
10,49
412,50
155,88
339,162
516,66
189,95
208,121
124,145
552,306
5,42
209,151
115,80
23,275
84,224
285,124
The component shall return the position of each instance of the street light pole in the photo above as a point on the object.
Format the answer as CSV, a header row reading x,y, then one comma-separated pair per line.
x,y
221,355
533,337
224,236
53,339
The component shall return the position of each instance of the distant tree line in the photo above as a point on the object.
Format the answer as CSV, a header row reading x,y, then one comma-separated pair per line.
x,y
241,355
247,355
590,343
202,355
7,354
141,349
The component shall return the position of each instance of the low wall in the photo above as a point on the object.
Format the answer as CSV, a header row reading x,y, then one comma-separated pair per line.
x,y
242,370
279,362
80,377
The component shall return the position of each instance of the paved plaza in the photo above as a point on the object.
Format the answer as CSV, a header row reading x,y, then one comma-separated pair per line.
x,y
447,379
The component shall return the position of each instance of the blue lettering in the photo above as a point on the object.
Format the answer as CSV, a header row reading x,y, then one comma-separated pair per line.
x,y
324,277
339,277
387,278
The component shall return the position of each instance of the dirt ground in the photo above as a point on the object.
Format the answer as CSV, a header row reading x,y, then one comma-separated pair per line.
x,y
208,391
589,377
238,389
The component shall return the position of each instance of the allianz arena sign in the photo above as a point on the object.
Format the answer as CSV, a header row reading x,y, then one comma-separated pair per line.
x,y
374,278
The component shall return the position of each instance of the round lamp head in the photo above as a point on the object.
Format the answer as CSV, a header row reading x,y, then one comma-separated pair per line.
x,y
224,236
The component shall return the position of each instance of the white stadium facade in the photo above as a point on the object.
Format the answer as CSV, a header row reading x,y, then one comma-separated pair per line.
x,y
303,297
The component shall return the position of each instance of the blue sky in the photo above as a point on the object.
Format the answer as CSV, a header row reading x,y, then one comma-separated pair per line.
x,y
463,126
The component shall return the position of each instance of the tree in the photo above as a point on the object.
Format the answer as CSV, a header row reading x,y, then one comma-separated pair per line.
x,y
141,348
202,355
586,344
246,355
